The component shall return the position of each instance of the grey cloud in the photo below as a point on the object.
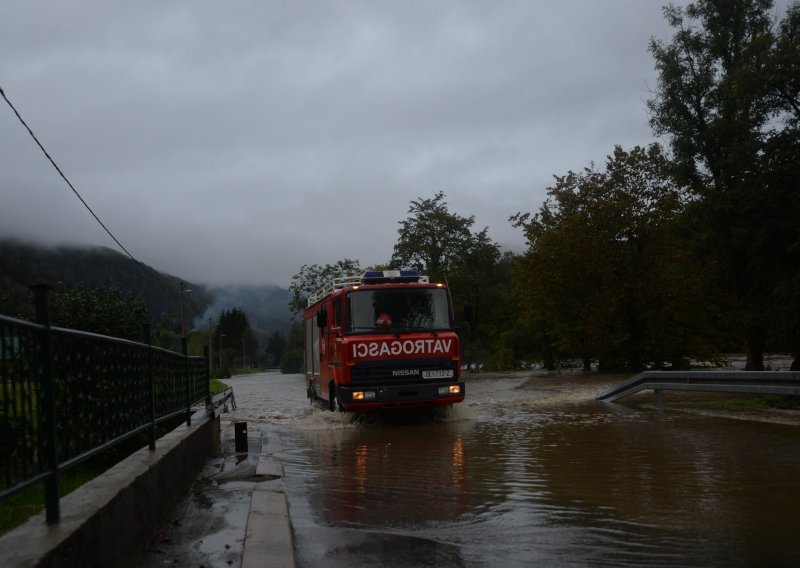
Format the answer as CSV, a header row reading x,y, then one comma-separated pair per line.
x,y
234,142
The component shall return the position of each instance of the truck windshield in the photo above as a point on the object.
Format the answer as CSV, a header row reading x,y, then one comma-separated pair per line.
x,y
398,309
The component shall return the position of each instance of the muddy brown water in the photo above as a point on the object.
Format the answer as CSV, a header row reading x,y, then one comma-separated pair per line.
x,y
531,471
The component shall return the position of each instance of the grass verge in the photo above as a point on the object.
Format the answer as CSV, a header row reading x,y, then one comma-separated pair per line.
x,y
218,386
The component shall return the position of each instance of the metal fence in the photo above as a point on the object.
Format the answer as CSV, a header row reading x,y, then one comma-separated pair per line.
x,y
67,395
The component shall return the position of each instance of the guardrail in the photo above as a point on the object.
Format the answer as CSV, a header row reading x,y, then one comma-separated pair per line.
x,y
741,382
68,395
223,399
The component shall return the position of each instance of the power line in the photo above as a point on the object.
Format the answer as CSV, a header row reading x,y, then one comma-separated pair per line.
x,y
148,270
141,265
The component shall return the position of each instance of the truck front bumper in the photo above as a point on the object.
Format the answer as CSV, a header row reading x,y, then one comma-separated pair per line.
x,y
401,396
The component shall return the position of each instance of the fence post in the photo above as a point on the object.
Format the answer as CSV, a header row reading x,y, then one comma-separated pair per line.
x,y
48,399
207,382
151,382
188,382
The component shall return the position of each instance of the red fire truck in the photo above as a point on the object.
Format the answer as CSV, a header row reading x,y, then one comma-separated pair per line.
x,y
382,340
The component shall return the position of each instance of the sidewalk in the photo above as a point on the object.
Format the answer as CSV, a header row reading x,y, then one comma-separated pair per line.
x,y
236,513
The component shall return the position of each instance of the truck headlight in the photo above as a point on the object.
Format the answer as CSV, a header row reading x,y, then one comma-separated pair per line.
x,y
363,395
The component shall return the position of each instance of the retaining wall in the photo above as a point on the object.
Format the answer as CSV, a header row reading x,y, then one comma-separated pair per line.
x,y
107,521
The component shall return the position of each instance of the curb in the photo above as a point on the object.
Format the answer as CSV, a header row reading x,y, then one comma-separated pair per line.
x,y
268,538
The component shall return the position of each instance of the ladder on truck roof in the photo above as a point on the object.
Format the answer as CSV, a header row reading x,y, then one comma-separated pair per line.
x,y
348,281
334,284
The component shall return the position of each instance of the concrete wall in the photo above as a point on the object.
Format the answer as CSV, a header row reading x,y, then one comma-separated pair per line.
x,y
107,521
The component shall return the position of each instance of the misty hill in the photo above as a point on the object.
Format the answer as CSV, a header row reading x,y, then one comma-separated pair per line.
x,y
267,307
23,265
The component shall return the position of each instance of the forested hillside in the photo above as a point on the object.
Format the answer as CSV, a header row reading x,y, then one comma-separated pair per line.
x,y
23,265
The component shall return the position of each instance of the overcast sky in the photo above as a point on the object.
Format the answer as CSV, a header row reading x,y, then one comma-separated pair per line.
x,y
233,142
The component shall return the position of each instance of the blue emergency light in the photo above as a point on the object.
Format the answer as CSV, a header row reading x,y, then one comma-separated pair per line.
x,y
381,276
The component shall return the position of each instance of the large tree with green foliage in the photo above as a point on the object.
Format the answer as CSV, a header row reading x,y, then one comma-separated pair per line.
x,y
478,287
441,244
312,277
727,96
104,310
435,240
608,274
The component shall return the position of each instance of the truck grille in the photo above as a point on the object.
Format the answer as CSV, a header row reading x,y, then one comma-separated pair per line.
x,y
399,371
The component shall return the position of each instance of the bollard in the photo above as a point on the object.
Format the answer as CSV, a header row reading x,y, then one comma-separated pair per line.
x,y
240,434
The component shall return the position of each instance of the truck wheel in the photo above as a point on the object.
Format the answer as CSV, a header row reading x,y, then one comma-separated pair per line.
x,y
332,397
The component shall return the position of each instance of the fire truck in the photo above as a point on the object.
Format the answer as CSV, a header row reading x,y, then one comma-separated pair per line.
x,y
385,339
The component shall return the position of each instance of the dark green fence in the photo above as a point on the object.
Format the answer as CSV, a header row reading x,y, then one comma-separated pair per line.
x,y
68,395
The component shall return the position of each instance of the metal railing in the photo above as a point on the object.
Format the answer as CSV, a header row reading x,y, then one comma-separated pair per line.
x,y
68,395
344,282
740,382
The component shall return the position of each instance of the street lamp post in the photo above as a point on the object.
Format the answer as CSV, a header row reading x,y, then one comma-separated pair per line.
x,y
184,291
221,335
210,349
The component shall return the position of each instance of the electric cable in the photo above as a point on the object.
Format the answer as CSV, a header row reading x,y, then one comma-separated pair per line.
x,y
148,270
141,265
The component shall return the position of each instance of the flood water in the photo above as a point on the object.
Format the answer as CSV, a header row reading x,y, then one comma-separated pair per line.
x,y
530,471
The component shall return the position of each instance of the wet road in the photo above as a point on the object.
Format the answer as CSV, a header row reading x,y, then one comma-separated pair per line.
x,y
530,471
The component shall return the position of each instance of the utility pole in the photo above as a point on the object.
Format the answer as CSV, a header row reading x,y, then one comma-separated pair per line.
x,y
210,350
221,335
183,318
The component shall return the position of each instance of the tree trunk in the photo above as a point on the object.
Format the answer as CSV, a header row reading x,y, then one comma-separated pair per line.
x,y
755,351
549,359
547,349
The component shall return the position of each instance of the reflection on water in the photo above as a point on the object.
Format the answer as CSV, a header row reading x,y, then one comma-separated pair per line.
x,y
366,476
508,480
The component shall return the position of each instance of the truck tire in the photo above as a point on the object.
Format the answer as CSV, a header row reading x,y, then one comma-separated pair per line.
x,y
332,396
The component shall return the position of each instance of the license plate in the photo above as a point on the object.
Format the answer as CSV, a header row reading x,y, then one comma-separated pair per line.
x,y
438,374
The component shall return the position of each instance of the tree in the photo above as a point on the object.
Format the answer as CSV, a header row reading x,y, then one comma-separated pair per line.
x,y
727,90
236,338
166,332
607,274
311,278
783,67
104,310
432,239
442,245
477,285
197,343
276,346
783,165
496,336
292,358
779,243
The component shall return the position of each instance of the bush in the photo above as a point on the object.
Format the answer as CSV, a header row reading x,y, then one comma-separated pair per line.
x,y
292,361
